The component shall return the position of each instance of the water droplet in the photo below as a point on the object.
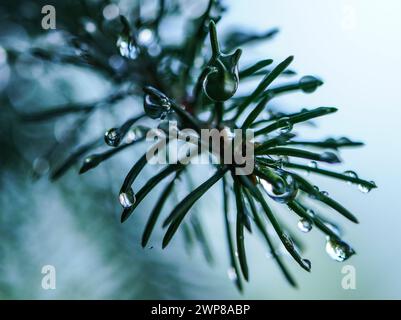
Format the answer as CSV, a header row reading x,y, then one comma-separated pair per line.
x,y
232,275
313,165
90,162
221,83
333,227
284,188
305,225
135,133
307,263
344,140
338,250
127,199
112,137
324,193
40,166
310,212
364,188
288,243
156,106
309,84
287,125
351,174
329,157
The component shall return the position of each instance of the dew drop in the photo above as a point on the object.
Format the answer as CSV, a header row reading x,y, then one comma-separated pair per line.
x,y
329,157
344,140
135,133
287,125
313,165
364,188
232,275
325,193
305,225
338,250
156,107
288,243
307,263
40,166
310,212
351,174
127,199
309,84
112,137
222,81
284,188
334,228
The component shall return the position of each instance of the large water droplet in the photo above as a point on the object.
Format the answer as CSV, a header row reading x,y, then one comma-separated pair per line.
x,y
127,199
351,174
329,157
364,188
112,137
338,250
222,80
284,188
156,107
305,225
309,84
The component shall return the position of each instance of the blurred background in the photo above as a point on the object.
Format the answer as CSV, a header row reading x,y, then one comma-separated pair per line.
x,y
73,223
